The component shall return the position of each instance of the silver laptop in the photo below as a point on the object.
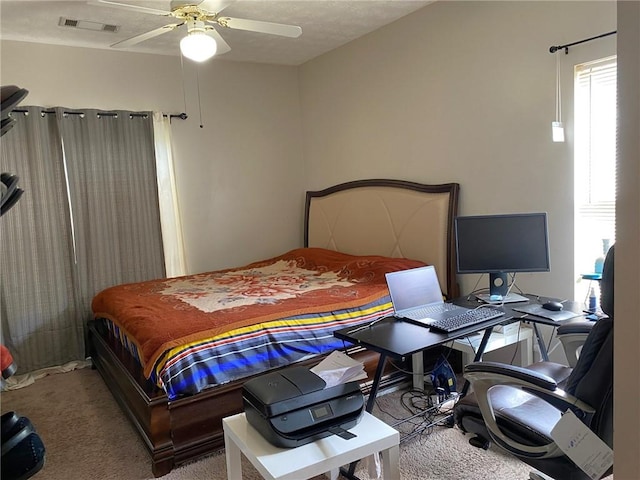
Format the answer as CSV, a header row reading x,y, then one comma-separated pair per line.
x,y
416,296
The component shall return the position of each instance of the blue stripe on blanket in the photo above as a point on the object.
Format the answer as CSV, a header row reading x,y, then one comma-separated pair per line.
x,y
284,342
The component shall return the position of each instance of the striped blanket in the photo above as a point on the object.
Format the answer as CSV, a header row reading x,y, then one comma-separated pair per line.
x,y
197,331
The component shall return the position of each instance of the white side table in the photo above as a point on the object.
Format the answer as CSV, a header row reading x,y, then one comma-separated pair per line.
x,y
322,456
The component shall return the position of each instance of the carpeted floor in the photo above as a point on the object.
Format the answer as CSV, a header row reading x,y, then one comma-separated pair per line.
x,y
87,437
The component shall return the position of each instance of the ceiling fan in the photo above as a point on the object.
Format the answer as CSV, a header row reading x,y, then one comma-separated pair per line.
x,y
202,40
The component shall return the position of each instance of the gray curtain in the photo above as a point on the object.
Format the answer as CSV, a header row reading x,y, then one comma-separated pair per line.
x,y
88,219
114,197
38,306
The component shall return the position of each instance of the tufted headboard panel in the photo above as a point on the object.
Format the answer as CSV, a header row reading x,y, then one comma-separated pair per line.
x,y
394,218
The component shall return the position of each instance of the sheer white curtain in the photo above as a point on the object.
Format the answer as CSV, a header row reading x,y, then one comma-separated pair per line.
x,y
88,219
170,220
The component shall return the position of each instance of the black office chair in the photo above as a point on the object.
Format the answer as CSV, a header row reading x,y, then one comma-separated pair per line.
x,y
517,407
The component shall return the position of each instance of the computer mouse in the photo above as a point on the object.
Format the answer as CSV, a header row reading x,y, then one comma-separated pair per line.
x,y
552,305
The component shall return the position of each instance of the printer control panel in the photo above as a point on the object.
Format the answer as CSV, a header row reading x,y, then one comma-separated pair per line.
x,y
321,412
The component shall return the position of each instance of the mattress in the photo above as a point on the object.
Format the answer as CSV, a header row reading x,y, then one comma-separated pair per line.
x,y
198,331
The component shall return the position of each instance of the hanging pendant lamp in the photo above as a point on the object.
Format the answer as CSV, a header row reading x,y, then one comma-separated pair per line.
x,y
557,129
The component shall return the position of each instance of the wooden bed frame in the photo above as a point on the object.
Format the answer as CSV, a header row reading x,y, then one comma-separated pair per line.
x,y
393,218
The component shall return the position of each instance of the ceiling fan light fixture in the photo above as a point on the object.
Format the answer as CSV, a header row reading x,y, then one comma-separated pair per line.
x,y
197,45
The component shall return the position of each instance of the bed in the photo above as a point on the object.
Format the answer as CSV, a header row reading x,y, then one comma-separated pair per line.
x,y
176,352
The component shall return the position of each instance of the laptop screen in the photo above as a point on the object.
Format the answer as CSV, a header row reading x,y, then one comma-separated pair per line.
x,y
414,287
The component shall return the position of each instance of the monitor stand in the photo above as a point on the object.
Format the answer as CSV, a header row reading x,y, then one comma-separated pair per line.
x,y
510,298
498,288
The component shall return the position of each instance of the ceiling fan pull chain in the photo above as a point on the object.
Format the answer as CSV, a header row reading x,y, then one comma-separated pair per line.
x,y
198,88
184,91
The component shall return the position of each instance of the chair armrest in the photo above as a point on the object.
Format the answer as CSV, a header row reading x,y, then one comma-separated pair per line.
x,y
520,373
575,327
572,336
484,375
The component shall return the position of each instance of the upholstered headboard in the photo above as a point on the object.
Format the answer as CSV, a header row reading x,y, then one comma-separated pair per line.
x,y
394,218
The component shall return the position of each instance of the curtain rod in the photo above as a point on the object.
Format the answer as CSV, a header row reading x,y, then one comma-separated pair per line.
x,y
181,116
555,48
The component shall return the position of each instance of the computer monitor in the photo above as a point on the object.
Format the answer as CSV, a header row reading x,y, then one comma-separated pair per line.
x,y
502,244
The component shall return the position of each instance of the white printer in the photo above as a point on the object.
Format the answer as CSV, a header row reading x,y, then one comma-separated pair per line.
x,y
292,407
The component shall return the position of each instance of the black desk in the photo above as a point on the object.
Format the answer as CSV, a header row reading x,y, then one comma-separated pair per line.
x,y
400,339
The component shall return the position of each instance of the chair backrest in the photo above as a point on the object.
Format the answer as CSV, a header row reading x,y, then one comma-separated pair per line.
x,y
592,378
606,284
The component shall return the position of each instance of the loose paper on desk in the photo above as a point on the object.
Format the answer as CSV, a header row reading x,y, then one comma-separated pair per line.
x,y
339,368
582,446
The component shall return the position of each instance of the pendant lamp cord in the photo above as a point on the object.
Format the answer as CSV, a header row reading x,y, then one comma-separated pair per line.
x,y
558,91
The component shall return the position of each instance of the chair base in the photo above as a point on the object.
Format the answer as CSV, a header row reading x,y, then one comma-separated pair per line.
x,y
480,442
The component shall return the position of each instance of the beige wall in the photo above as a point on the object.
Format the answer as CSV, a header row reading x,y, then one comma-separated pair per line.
x,y
460,92
465,92
239,178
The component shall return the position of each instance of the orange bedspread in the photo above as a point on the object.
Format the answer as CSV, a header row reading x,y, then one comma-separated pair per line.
x,y
161,314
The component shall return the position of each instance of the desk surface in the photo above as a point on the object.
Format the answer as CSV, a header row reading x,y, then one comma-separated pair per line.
x,y
508,308
399,338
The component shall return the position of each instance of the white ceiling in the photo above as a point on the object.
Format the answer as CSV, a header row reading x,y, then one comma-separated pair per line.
x,y
325,25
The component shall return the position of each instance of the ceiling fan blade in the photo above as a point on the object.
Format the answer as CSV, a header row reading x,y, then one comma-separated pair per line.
x,y
292,31
146,36
128,6
215,6
222,46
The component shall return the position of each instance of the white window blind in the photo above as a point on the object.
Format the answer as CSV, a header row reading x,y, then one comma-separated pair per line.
x,y
595,159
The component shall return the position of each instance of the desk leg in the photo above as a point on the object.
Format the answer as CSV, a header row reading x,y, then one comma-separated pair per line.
x,y
233,458
390,463
417,367
376,382
526,349
543,349
478,357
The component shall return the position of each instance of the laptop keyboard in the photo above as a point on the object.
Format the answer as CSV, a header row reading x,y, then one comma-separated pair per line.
x,y
423,312
465,319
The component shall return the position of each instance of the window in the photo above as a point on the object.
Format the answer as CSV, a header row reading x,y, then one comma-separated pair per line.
x,y
595,166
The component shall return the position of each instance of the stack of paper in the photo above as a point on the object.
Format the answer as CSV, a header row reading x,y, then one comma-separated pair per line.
x,y
339,368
